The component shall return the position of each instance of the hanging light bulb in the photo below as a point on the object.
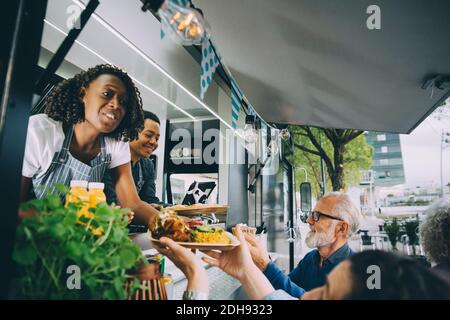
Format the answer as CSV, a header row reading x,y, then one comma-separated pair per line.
x,y
285,134
273,147
250,134
185,25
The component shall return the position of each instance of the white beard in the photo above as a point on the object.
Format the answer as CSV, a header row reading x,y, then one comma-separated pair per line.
x,y
315,239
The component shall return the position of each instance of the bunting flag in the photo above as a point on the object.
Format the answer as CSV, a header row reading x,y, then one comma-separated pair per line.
x,y
209,64
181,3
236,100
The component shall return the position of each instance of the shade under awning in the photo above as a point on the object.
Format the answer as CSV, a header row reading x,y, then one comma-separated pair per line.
x,y
315,62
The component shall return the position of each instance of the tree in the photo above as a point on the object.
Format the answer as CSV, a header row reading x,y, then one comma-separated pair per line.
x,y
344,152
411,228
393,231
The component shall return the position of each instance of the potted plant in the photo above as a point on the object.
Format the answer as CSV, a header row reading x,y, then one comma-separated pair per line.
x,y
411,229
392,229
61,254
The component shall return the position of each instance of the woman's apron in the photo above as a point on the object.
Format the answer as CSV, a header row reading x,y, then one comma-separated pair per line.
x,y
65,168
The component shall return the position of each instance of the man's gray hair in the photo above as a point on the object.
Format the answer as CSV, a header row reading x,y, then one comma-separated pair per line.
x,y
346,210
435,232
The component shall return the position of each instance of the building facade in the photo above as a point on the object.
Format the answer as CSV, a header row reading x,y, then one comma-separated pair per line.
x,y
387,158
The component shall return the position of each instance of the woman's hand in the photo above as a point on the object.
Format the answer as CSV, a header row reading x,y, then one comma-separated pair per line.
x,y
130,216
237,262
128,196
156,206
186,261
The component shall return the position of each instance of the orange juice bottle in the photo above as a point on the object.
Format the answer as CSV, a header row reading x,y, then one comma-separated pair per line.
x,y
78,193
96,194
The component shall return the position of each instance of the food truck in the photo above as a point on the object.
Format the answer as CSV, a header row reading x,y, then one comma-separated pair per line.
x,y
337,64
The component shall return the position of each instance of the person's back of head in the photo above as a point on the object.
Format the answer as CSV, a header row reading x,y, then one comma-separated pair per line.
x,y
400,278
435,232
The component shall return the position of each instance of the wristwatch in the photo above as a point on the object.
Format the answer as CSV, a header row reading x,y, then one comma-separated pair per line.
x,y
194,295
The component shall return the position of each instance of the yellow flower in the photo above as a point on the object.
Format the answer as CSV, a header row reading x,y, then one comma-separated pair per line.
x,y
97,232
85,213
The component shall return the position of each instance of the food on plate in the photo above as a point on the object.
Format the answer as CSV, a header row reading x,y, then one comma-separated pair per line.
x,y
208,234
194,206
176,207
169,224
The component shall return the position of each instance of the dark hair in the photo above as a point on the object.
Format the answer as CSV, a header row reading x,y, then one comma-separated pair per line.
x,y
402,278
65,102
150,115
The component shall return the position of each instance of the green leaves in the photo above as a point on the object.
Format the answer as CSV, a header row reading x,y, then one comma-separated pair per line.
x,y
25,256
393,231
58,231
74,250
412,229
53,202
127,258
55,237
118,235
357,155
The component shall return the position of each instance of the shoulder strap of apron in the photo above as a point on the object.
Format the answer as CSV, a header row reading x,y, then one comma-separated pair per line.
x,y
104,156
63,154
140,170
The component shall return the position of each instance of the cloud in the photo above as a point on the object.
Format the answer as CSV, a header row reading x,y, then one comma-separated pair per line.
x,y
421,153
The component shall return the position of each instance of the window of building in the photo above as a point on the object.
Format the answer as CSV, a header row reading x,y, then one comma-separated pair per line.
x,y
384,149
381,137
384,162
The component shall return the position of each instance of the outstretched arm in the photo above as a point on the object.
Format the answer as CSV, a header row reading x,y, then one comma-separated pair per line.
x,y
128,196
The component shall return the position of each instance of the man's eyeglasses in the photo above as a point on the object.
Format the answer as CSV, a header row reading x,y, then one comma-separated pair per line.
x,y
317,214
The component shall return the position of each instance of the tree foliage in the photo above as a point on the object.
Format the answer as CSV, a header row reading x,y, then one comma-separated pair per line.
x,y
344,153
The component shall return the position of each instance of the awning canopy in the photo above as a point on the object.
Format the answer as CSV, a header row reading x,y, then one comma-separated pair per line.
x,y
315,62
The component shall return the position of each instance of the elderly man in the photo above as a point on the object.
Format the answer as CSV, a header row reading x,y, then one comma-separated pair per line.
x,y
435,237
334,219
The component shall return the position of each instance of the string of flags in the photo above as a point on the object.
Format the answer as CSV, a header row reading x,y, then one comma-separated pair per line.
x,y
209,64
236,101
237,96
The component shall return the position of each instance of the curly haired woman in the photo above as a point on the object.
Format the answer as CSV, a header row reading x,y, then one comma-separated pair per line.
x,y
435,236
84,131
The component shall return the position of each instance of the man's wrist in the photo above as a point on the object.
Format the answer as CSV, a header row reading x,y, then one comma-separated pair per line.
x,y
195,295
249,272
262,265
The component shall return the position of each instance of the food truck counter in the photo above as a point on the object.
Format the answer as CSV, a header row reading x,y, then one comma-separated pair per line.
x,y
221,285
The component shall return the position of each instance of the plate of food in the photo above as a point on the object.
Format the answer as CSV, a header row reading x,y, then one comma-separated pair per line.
x,y
198,208
190,233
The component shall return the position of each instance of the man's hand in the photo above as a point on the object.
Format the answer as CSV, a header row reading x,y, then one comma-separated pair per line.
x,y
259,254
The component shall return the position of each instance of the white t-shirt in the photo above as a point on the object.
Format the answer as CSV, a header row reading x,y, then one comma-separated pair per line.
x,y
45,136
